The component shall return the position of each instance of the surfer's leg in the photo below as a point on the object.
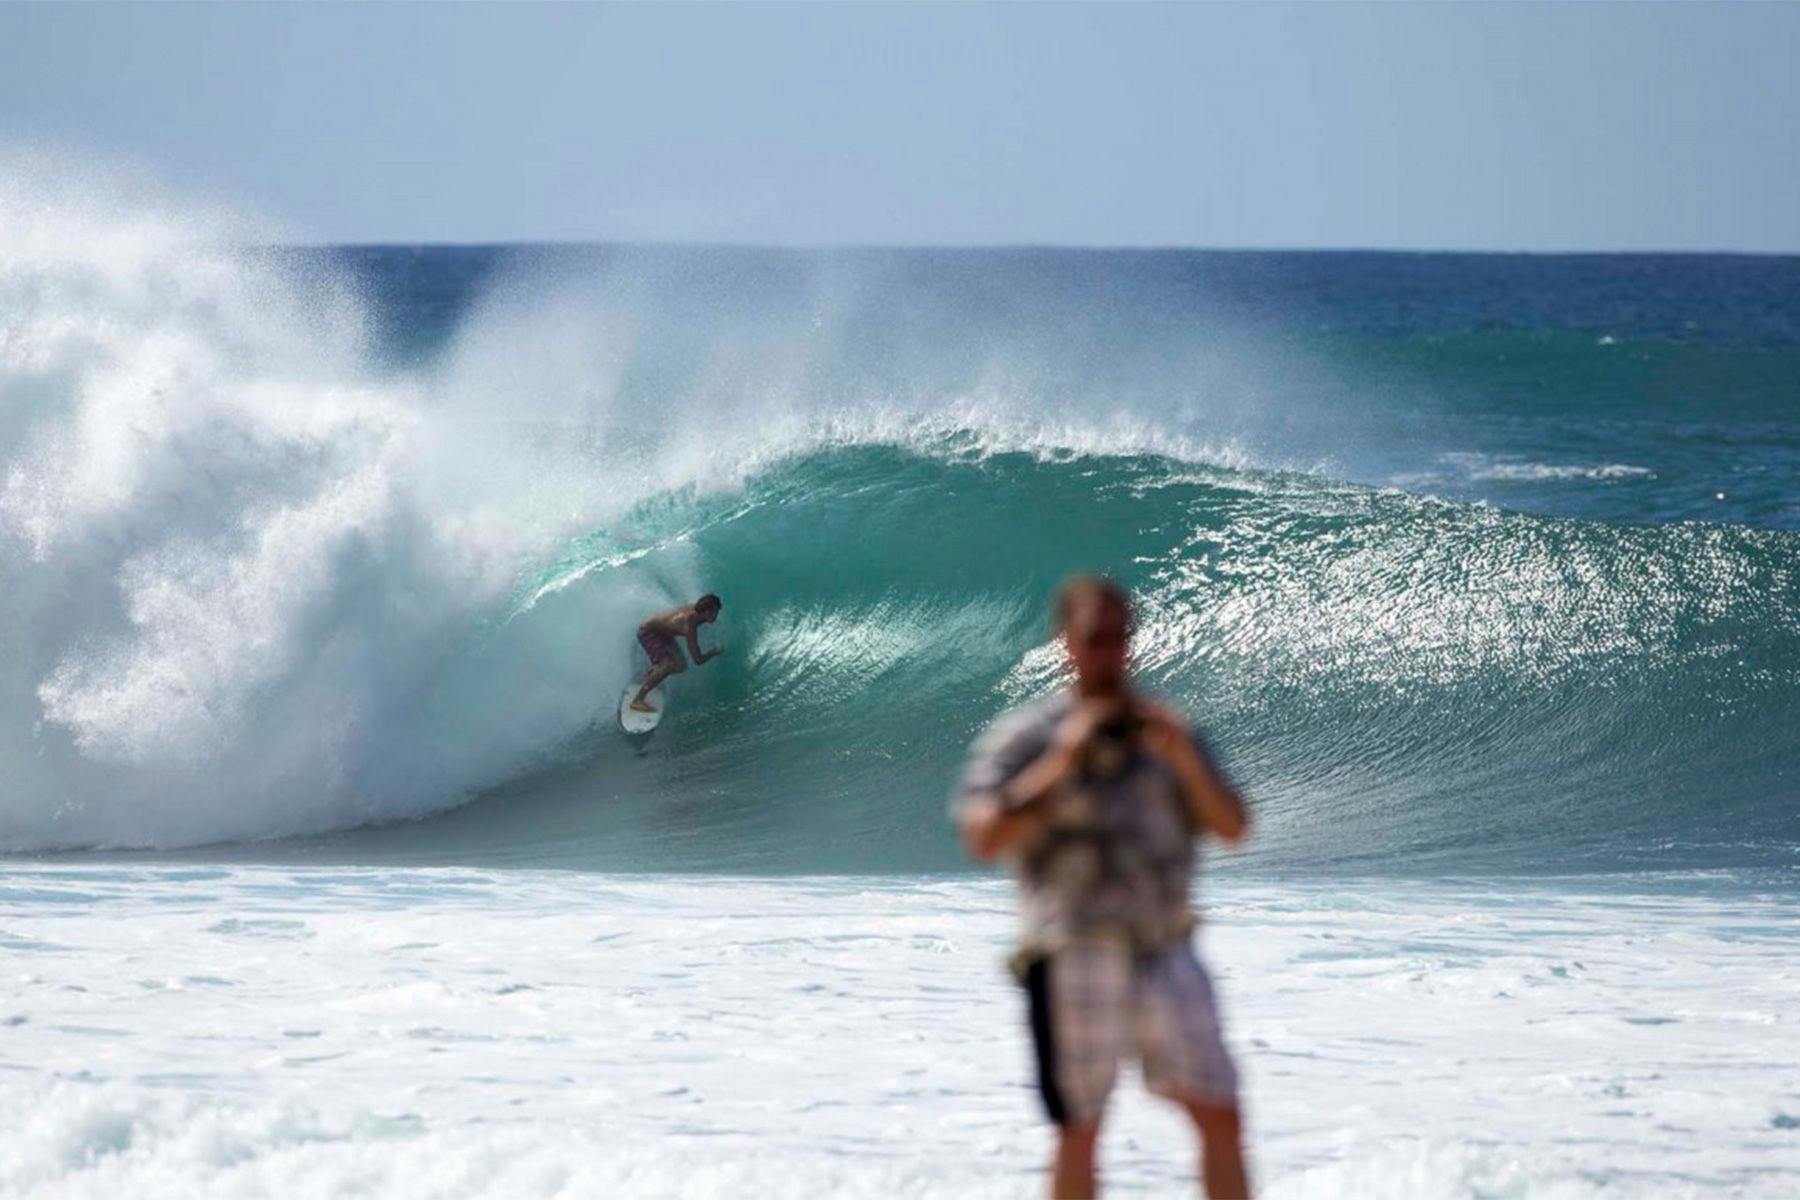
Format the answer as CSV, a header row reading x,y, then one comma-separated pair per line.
x,y
671,663
652,677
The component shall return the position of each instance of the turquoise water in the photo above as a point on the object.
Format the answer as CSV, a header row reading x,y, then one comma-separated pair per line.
x,y
1465,563
1400,682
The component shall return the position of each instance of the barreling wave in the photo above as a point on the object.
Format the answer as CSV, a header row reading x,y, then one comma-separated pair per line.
x,y
261,580
1399,682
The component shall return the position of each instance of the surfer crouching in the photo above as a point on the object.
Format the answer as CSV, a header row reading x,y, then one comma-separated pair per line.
x,y
659,638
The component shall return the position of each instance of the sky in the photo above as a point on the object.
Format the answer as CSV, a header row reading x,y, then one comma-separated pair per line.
x,y
1424,126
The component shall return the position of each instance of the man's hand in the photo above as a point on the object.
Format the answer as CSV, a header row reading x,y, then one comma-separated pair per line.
x,y
1163,733
1078,728
711,654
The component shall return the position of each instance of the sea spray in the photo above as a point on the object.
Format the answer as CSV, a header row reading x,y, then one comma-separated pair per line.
x,y
299,541
237,551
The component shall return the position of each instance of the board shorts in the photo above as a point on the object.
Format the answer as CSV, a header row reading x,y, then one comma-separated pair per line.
x,y
659,646
1098,1000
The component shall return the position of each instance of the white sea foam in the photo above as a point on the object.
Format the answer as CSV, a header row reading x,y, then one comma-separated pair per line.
x,y
1484,467
251,574
264,1032
230,562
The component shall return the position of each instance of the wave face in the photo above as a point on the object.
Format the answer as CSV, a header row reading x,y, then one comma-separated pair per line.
x,y
350,545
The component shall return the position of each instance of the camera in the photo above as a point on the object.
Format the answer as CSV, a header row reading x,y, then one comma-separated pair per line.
x,y
1124,726
1112,745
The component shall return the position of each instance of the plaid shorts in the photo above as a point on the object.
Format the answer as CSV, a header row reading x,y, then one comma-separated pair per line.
x,y
659,646
1096,1001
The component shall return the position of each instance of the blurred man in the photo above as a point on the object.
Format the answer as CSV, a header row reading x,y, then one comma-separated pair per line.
x,y
658,638
1098,796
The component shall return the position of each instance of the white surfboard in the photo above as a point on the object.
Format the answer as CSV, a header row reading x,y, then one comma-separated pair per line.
x,y
640,724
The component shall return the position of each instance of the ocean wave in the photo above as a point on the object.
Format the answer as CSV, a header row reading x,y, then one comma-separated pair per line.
x,y
260,580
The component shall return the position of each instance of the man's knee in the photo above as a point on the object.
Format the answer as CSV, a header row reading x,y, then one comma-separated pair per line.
x,y
677,665
1215,1120
1078,1135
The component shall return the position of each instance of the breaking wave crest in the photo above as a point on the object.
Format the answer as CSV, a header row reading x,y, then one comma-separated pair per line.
x,y
264,577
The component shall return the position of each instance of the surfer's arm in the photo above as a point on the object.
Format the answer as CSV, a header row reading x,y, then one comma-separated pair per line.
x,y
693,643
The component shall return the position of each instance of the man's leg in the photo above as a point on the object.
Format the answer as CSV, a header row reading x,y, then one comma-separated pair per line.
x,y
1079,1000
1221,1135
1185,1060
672,665
1072,1172
655,675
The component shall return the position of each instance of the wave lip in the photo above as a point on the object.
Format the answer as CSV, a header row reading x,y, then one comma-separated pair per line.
x,y
1401,683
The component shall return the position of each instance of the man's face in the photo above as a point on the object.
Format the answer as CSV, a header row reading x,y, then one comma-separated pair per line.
x,y
1098,640
707,615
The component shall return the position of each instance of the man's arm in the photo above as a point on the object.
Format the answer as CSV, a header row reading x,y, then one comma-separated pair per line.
x,y
693,644
996,817
996,821
1213,803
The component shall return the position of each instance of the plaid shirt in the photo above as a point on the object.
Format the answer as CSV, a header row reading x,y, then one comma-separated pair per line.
x,y
1115,855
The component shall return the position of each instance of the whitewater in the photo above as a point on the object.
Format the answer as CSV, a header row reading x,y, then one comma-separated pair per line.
x,y
265,1032
323,872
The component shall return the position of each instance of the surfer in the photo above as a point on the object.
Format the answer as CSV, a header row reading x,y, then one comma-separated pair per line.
x,y
1099,796
659,635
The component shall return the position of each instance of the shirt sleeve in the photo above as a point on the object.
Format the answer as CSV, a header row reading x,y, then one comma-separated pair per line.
x,y
1008,746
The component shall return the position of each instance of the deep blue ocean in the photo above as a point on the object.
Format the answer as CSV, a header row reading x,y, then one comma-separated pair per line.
x,y
1465,563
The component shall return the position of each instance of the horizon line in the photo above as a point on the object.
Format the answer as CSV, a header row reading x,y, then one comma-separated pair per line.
x,y
1010,247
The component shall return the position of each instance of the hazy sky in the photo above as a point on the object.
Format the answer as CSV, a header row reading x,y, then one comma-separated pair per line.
x,y
1516,126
